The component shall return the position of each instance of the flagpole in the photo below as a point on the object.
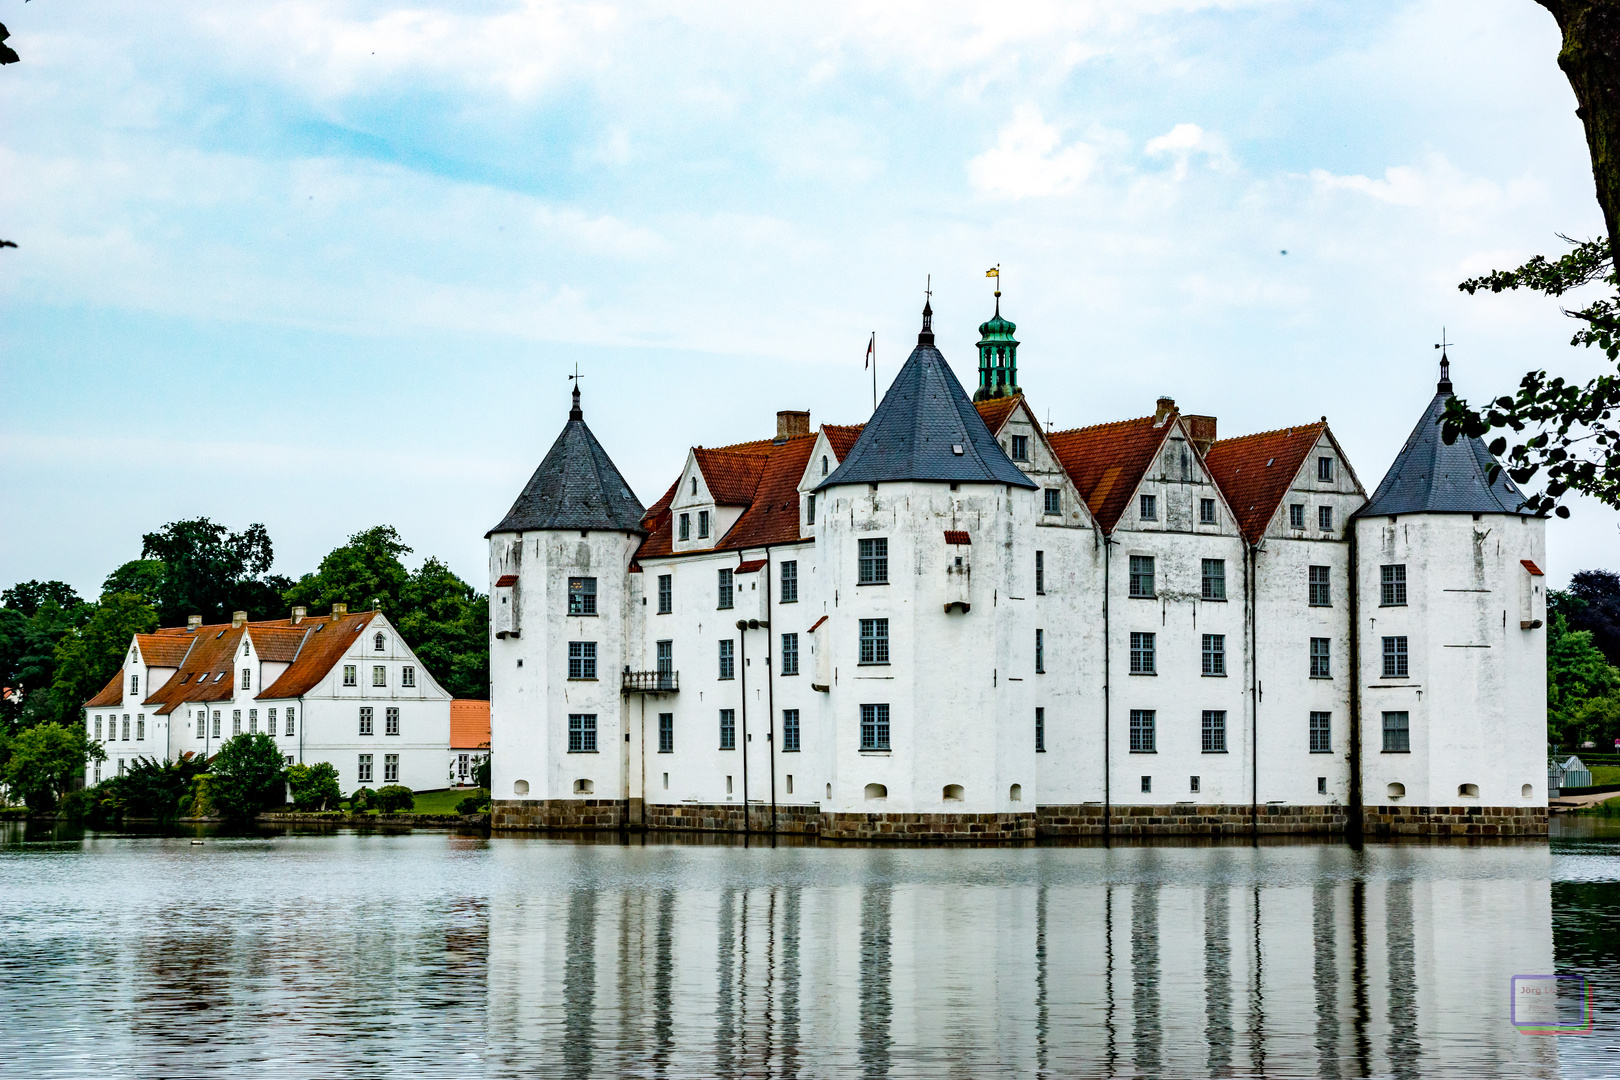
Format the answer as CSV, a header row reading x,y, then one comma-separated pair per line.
x,y
872,348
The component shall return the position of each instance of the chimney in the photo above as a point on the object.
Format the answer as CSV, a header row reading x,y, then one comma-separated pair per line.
x,y
790,422
1202,429
238,618
339,611
1167,405
193,622
298,614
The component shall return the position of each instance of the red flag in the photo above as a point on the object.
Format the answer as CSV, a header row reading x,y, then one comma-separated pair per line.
x,y
871,350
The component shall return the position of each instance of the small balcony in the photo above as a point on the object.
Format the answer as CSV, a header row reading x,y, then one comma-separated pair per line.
x,y
651,682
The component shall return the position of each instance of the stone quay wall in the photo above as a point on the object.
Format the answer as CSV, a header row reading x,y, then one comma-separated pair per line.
x,y
915,827
1188,819
1454,821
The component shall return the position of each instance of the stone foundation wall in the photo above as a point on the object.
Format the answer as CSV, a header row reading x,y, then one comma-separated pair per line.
x,y
1454,821
556,813
1188,819
928,826
728,817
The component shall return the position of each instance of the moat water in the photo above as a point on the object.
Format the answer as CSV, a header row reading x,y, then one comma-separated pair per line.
x,y
434,954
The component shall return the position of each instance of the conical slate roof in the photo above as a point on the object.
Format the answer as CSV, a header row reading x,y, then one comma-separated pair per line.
x,y
575,487
915,433
1429,477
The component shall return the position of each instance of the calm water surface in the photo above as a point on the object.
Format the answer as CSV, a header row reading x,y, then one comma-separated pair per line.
x,y
427,954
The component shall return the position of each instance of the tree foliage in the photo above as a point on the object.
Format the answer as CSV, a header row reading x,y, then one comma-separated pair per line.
x,y
44,762
248,776
88,659
211,571
314,787
1593,604
29,596
148,788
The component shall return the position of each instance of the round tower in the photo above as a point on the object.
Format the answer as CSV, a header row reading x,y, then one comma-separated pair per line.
x,y
998,357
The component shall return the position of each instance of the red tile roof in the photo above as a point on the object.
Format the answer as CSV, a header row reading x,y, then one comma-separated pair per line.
x,y
506,581
818,623
842,437
325,643
1532,567
1107,461
469,724
278,644
731,477
207,672
956,536
111,694
163,650
1255,471
750,567
995,411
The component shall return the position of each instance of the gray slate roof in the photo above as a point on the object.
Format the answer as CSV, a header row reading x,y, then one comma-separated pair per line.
x,y
924,414
575,487
1429,477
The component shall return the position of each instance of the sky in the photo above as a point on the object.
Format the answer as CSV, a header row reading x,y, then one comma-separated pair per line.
x,y
328,265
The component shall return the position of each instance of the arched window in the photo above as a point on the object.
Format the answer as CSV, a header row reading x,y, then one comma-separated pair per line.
x,y
876,791
584,787
953,793
377,643
1397,791
823,464
1016,793
520,787
1527,791
694,485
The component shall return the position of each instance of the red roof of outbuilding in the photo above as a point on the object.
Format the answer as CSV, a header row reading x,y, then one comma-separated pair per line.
x,y
1254,472
1107,461
469,724
750,567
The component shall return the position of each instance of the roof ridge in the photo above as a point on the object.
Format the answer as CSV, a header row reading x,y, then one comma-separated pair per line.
x,y
1285,431
1109,424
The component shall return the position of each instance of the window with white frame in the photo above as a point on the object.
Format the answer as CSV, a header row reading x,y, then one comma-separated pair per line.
x,y
289,730
582,596
1148,508
790,582
1214,654
728,729
1321,658
790,654
1052,501
134,685
247,678
1296,515
1324,518
379,675
724,586
390,768
391,721
365,720
582,659
363,769
582,733
874,641
349,678
728,664
236,724
666,593
126,728
1393,585
202,723
685,532
98,729
1142,734
1206,512
1321,733
1324,470
1214,731
253,721
1397,733
790,731
407,675
1040,652
666,733
140,727
463,766
874,727
1395,657
1020,447
379,643
1142,648
216,723
1214,579
1321,592
1141,582
874,561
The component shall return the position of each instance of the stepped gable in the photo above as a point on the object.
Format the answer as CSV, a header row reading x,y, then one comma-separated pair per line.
x,y
576,486
164,649
1107,461
922,418
325,642
1429,477
1254,472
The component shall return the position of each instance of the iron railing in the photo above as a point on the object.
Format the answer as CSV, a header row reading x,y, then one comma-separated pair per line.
x,y
651,682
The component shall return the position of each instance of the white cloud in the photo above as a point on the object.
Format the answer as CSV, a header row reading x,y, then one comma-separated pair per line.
x,y
1453,199
1029,160
1183,141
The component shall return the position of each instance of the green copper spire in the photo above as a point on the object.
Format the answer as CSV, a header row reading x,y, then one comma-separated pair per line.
x,y
998,357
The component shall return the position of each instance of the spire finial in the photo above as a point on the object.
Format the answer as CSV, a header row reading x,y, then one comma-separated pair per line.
x,y
1444,385
575,413
995,272
926,337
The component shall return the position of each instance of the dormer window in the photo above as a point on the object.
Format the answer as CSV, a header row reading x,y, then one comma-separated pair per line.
x,y
810,510
245,647
377,643
703,524
685,532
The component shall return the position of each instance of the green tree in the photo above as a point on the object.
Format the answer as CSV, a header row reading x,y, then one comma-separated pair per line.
x,y
86,660
314,787
143,577
366,570
28,661
29,596
393,798
46,761
1577,672
248,776
150,788
210,571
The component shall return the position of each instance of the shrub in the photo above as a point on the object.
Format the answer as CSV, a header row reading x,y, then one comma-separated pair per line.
x,y
199,801
314,787
362,800
394,798
475,803
151,788
248,776
46,761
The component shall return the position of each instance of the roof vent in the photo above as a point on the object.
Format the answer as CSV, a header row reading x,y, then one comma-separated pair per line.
x,y
193,622
238,618
956,448
298,614
339,611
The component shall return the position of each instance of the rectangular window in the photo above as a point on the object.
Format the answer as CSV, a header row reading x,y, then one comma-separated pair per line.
x,y
1206,511
140,728
363,770
1321,658
270,725
703,524
1054,501
1147,784
790,731
582,733
1214,584
1395,658
874,567
1324,518
810,510
407,675
1296,515
666,593
247,678
1393,580
666,660
874,727
724,586
390,768
1214,731
1324,469
582,659
666,733
790,654
728,667
98,729
728,729
1214,654
390,721
1141,576
582,596
236,723
1040,573
1321,591
1040,652
1040,730
790,582
1397,733
134,685
1149,509
1321,733
874,641
289,730
1192,783
365,720
349,678
463,766
1142,741
1020,447
253,721
686,527
379,675
216,723
1141,654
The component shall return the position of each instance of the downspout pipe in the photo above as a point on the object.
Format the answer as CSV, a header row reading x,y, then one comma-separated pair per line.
x,y
742,658
1353,822
1108,689
770,684
1251,572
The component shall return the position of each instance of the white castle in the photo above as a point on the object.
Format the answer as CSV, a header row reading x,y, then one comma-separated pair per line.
x,y
950,623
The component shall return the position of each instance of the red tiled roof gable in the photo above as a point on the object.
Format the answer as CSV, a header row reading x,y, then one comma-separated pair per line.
x,y
1107,462
1254,472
